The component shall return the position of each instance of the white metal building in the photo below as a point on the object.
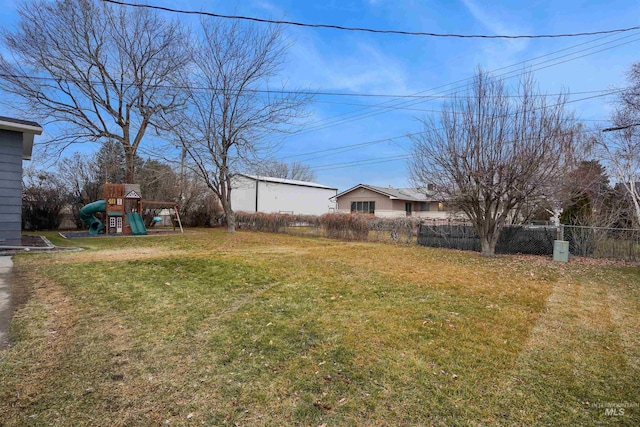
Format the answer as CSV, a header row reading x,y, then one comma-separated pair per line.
x,y
252,193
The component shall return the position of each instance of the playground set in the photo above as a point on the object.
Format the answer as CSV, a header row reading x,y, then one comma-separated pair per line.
x,y
123,206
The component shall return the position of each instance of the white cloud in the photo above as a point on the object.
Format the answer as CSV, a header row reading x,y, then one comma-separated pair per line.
x,y
498,51
490,22
269,7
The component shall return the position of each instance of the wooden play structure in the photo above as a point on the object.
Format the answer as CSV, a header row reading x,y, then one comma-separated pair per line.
x,y
123,206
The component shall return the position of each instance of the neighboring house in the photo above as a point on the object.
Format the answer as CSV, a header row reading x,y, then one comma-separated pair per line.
x,y
252,193
392,202
16,144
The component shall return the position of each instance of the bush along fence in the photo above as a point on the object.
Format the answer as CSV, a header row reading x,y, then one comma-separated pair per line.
x,y
512,240
599,242
333,225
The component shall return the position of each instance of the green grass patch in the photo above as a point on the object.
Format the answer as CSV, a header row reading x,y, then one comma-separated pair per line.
x,y
264,329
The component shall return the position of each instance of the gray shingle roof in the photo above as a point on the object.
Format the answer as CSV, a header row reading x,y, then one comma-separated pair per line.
x,y
408,194
19,121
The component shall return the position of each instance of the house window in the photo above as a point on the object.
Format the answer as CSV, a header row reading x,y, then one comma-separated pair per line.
x,y
437,206
112,222
363,207
424,206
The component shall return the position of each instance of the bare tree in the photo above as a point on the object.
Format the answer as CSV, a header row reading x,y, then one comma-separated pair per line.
x,y
490,153
43,198
199,206
588,199
620,146
621,151
100,72
278,169
110,161
158,181
229,121
80,175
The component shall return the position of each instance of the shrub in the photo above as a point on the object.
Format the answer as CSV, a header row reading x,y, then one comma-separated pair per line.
x,y
335,225
346,225
43,198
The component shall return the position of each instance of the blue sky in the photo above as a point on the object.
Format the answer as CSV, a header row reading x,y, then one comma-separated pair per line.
x,y
355,62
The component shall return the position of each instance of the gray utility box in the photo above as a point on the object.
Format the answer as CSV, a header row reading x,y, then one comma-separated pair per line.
x,y
560,250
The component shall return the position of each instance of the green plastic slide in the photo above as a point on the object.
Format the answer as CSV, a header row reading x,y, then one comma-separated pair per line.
x,y
86,215
136,224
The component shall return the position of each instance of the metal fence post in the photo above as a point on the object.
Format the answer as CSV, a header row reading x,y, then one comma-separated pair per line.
x,y
561,232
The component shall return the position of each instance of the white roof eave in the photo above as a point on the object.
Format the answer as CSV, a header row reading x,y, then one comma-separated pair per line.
x,y
27,146
27,130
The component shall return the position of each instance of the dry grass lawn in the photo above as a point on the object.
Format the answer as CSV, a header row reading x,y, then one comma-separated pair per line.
x,y
256,329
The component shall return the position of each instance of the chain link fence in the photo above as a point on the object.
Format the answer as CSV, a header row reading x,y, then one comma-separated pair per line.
x,y
593,242
533,240
599,242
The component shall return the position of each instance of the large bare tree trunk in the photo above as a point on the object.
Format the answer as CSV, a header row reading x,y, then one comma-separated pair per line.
x,y
229,214
129,158
488,244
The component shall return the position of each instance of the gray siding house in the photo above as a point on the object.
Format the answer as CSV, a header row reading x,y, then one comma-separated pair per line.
x,y
16,144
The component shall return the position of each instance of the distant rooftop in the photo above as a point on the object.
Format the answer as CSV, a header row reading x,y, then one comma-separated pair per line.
x,y
402,193
408,194
19,122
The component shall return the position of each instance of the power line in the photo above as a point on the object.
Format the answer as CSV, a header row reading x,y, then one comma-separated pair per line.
x,y
391,107
364,115
354,115
373,30
381,106
269,91
344,148
350,147
377,160
365,162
